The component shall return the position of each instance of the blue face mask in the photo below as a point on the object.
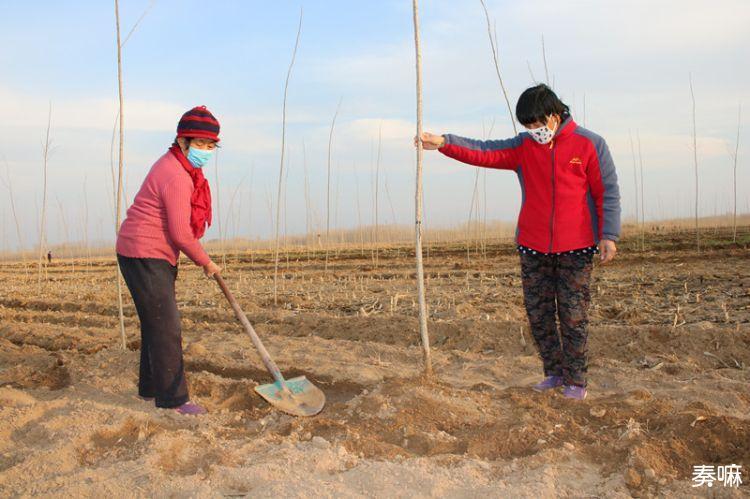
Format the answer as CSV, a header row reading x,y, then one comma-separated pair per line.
x,y
199,157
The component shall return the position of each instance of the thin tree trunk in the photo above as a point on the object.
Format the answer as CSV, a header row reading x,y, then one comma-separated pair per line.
x,y
484,222
531,73
643,211
695,160
218,210
230,221
336,205
474,205
492,35
5,236
544,58
734,175
281,163
359,211
328,184
118,199
66,233
390,203
286,212
418,203
119,190
584,110
635,178
478,219
86,225
113,175
135,26
269,207
42,233
495,58
484,187
19,235
250,212
236,230
377,193
308,215
372,200
471,215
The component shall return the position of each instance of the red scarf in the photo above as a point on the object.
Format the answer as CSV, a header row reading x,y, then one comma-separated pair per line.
x,y
200,201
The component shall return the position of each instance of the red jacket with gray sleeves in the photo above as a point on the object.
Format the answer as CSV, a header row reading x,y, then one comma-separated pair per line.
x,y
570,196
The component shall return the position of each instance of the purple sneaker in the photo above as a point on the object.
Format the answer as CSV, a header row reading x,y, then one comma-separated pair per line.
x,y
575,392
190,409
549,383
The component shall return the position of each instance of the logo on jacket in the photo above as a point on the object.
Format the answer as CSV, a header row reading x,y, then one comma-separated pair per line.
x,y
575,161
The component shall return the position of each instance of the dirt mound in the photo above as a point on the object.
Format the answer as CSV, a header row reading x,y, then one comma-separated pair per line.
x,y
668,379
28,367
410,418
126,441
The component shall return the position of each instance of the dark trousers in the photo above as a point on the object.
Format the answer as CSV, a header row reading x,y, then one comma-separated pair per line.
x,y
557,287
162,374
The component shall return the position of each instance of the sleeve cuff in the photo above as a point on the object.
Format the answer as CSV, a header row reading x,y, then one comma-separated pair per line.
x,y
197,255
446,142
611,237
202,260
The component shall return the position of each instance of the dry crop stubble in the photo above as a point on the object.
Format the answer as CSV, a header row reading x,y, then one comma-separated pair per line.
x,y
658,402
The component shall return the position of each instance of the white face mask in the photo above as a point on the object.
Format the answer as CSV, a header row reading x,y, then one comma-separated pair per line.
x,y
543,134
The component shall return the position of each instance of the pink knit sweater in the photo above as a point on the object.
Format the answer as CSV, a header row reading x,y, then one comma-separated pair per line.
x,y
157,225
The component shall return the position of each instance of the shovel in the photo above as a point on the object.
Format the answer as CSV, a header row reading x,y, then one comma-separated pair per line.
x,y
296,396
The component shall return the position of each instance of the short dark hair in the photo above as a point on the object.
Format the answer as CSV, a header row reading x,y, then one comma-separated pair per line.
x,y
539,102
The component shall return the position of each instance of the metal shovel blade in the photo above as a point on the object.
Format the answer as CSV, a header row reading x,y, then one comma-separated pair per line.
x,y
302,399
296,396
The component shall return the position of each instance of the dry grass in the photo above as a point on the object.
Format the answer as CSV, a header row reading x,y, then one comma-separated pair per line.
x,y
669,366
397,237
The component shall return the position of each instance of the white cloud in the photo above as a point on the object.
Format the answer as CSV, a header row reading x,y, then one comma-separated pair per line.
x,y
629,26
630,58
90,113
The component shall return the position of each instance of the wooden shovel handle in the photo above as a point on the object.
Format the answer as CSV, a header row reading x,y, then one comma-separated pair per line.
x,y
270,364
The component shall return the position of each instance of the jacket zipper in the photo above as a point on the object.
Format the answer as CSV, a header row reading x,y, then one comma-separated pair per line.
x,y
552,215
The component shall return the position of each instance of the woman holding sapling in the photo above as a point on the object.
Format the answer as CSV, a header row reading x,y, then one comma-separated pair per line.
x,y
169,215
570,211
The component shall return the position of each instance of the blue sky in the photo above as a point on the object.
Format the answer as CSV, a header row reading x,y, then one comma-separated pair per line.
x,y
630,59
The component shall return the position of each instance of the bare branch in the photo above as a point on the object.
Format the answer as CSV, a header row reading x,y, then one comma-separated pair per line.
x,y
328,187
281,163
695,160
734,173
132,30
494,49
544,58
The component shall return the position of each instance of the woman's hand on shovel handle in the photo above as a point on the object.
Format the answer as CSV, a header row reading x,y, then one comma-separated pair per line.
x,y
211,268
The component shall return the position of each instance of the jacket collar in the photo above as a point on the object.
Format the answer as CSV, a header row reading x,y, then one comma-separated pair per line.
x,y
566,128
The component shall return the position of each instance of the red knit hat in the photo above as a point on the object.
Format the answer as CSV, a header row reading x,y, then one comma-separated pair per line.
x,y
198,123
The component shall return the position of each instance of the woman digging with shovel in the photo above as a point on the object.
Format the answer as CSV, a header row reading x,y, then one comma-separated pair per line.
x,y
570,210
169,214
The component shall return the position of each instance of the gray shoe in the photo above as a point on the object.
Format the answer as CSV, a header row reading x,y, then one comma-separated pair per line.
x,y
575,392
549,383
